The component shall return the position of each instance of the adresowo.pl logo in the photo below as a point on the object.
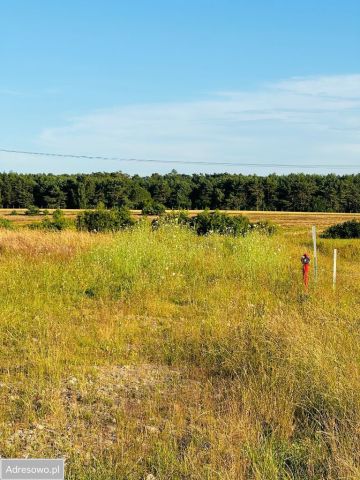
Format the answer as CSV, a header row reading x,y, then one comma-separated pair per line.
x,y
32,469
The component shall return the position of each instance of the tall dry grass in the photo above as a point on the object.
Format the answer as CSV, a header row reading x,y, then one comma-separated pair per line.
x,y
165,354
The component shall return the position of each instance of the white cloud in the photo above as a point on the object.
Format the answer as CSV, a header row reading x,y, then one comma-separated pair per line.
x,y
303,120
338,86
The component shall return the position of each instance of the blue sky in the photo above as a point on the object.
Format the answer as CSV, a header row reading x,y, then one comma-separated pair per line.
x,y
235,81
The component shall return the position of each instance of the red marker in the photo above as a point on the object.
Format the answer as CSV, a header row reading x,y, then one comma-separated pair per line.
x,y
305,260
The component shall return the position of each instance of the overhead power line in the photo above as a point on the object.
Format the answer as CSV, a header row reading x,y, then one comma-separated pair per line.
x,y
183,162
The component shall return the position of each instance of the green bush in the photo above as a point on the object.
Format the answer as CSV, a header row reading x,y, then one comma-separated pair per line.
x,y
217,222
32,210
58,222
102,220
153,208
265,227
172,218
350,229
6,224
13,212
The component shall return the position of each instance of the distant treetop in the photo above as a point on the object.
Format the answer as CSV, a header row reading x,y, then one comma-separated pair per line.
x,y
294,192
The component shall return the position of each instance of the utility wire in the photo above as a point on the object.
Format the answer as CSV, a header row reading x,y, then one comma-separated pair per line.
x,y
174,162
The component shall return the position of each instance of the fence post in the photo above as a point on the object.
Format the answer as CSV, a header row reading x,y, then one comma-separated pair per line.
x,y
334,268
315,252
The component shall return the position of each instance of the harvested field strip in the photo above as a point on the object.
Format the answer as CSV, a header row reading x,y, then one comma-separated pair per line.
x,y
288,220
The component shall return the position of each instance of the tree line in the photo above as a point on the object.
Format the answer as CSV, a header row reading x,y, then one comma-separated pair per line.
x,y
293,192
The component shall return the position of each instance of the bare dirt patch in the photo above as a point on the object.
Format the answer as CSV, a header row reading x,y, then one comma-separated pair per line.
x,y
93,411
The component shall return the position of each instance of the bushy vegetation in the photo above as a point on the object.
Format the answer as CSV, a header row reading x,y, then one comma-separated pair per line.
x,y
216,222
32,210
175,218
6,224
102,220
350,229
179,356
207,223
265,226
294,192
153,208
58,222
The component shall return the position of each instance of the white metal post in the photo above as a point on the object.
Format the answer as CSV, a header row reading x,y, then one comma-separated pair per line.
x,y
315,251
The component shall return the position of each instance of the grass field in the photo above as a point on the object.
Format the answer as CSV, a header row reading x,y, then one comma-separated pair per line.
x,y
288,220
163,355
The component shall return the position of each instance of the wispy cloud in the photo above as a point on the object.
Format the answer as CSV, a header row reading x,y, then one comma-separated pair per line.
x,y
49,91
336,86
10,92
306,120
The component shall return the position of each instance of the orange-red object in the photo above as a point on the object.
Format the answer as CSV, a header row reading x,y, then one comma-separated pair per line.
x,y
306,269
305,260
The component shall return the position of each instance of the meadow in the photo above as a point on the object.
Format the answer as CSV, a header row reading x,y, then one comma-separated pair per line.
x,y
164,355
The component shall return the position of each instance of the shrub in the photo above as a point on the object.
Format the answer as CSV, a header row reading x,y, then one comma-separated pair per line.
x,y
173,218
13,212
6,224
102,220
350,229
43,225
265,227
58,223
32,210
217,222
153,208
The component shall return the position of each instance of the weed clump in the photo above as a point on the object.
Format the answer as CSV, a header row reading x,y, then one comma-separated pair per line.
x,y
266,227
172,219
6,224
